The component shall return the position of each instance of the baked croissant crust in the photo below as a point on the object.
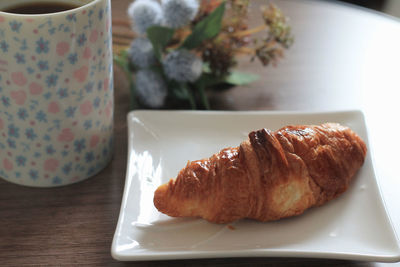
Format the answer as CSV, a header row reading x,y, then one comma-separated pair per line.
x,y
270,176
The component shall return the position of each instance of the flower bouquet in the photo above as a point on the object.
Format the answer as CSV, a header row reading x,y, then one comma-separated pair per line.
x,y
182,48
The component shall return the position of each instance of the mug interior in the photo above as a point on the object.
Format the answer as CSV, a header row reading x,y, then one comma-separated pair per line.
x,y
4,5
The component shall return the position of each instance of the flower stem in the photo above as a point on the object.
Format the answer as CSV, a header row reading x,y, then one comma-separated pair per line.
x,y
245,51
191,98
121,61
204,98
250,31
134,104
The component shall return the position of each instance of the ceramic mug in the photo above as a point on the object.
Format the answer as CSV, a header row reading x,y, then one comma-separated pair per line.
x,y
56,94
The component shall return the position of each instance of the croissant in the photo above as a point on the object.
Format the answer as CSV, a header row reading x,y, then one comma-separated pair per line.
x,y
270,176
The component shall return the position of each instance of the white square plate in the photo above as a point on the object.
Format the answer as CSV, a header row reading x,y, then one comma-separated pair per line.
x,y
354,226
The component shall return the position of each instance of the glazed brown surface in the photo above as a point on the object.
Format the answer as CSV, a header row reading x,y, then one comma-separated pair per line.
x,y
270,176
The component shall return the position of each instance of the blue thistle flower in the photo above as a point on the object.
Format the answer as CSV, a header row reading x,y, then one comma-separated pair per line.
x,y
150,88
144,13
141,53
182,66
178,13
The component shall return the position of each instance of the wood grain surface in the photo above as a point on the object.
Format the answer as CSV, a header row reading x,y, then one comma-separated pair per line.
x,y
343,58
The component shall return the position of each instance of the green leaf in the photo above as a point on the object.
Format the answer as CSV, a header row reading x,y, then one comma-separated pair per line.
x,y
205,29
122,61
159,37
240,78
181,91
132,88
203,97
206,67
208,79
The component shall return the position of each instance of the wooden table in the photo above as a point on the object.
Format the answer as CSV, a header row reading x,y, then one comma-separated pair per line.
x,y
343,58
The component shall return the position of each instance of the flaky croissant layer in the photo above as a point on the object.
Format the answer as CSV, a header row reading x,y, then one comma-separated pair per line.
x,y
270,176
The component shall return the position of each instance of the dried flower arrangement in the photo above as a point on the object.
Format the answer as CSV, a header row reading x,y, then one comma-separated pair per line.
x,y
180,48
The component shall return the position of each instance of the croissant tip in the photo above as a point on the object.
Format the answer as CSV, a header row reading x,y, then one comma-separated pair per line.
x,y
160,197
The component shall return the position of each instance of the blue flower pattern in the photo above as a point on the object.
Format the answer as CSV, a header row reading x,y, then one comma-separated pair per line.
x,y
73,58
11,143
80,145
30,134
70,112
4,46
21,160
51,80
22,114
13,131
15,26
81,39
50,150
42,46
43,65
62,93
41,116
48,136
19,58
5,100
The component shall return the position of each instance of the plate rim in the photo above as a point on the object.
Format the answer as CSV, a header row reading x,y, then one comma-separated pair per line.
x,y
270,252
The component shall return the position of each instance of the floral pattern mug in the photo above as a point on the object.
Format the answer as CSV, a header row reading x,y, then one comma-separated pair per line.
x,y
56,94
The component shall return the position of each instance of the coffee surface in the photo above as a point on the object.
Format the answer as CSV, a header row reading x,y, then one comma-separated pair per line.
x,y
39,8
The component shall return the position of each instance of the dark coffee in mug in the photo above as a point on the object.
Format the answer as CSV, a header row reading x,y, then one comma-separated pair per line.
x,y
39,8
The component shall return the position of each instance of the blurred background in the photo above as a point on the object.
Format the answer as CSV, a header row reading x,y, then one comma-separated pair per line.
x,y
391,7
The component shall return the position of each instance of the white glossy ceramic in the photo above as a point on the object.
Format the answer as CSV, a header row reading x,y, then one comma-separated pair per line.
x,y
355,226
